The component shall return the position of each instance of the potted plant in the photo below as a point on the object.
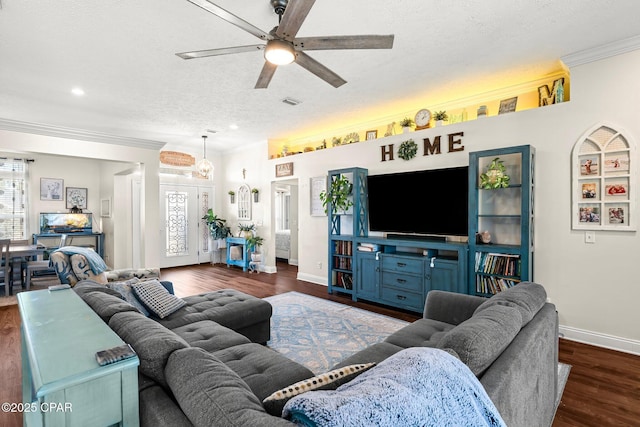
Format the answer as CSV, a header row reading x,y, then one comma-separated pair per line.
x,y
253,243
232,196
338,195
439,117
256,194
218,228
406,124
246,230
495,176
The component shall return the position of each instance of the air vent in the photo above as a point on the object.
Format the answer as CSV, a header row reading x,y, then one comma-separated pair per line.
x,y
291,101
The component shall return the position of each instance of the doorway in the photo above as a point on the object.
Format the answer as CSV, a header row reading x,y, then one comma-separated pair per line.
x,y
285,217
185,236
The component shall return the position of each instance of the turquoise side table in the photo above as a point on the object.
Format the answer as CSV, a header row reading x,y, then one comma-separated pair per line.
x,y
62,383
242,243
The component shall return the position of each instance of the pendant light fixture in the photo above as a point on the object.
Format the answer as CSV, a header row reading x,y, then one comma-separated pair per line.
x,y
204,166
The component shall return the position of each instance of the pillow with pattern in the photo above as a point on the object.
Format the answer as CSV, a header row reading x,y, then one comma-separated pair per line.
x,y
124,288
156,298
328,381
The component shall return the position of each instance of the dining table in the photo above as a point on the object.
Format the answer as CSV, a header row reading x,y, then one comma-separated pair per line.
x,y
19,252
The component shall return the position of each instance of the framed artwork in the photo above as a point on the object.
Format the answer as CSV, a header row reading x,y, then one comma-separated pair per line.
x,y
76,197
508,105
318,185
105,208
51,189
371,134
589,165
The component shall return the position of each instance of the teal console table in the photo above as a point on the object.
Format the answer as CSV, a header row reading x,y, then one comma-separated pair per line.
x,y
240,242
62,383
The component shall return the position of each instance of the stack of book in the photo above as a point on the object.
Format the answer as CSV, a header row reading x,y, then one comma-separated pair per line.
x,y
368,247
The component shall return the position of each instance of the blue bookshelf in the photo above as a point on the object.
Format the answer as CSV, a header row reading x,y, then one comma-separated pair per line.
x,y
507,214
344,228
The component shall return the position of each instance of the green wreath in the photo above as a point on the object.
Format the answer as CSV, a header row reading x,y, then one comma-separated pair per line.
x,y
407,150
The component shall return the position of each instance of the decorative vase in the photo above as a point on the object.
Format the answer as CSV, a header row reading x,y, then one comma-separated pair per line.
x,y
256,257
256,197
406,129
232,197
438,123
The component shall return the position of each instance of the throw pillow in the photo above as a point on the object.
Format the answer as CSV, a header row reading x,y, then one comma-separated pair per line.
x,y
156,298
82,270
327,381
124,288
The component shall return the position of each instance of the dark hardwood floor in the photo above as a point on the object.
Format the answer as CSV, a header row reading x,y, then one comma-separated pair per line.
x,y
603,387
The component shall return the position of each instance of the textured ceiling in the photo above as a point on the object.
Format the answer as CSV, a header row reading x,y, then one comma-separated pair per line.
x,y
122,53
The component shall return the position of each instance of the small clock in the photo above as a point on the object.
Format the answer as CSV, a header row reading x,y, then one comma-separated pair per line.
x,y
423,117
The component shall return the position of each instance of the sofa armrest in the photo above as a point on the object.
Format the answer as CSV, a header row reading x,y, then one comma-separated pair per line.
x,y
450,307
129,273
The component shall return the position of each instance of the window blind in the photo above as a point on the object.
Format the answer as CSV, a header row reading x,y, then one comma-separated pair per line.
x,y
13,200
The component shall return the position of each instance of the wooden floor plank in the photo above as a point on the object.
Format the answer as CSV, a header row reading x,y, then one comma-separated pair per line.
x,y
603,388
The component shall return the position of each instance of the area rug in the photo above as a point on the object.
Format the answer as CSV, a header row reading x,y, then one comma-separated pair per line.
x,y
319,334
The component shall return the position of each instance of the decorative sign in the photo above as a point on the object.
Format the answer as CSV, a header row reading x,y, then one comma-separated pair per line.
x,y
555,95
284,169
318,185
408,150
176,158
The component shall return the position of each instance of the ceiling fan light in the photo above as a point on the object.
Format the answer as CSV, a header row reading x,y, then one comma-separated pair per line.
x,y
279,53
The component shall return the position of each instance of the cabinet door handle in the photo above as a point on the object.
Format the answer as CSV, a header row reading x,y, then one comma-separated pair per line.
x,y
433,259
401,297
401,264
401,280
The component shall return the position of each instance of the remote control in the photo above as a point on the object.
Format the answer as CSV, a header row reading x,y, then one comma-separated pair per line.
x,y
58,287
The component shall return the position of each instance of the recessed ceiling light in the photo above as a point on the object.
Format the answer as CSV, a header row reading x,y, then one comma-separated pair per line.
x,y
77,91
233,126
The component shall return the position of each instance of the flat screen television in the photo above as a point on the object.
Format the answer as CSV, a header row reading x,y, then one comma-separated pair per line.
x,y
426,202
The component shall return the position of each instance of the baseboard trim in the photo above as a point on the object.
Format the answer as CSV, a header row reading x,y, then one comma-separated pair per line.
x,y
319,280
600,340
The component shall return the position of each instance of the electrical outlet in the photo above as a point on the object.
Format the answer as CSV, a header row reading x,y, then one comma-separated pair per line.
x,y
589,236
319,265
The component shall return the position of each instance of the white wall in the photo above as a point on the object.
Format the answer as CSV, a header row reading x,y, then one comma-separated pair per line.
x,y
594,286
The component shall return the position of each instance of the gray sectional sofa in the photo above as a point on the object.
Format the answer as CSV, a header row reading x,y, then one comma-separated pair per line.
x,y
204,365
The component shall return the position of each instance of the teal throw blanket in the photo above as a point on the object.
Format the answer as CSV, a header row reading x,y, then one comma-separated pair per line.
x,y
96,264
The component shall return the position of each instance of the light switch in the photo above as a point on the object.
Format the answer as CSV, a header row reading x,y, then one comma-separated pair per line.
x,y
589,236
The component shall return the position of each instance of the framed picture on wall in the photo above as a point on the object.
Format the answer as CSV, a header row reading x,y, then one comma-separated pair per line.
x,y
76,198
105,208
51,189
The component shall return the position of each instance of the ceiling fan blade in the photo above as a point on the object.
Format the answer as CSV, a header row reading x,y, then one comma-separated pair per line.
x,y
344,42
231,18
220,51
265,75
294,16
310,64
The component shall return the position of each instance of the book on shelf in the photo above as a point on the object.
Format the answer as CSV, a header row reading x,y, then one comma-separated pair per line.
x,y
343,247
494,263
493,284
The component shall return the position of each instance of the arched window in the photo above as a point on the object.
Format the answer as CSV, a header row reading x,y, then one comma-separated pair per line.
x,y
244,202
603,178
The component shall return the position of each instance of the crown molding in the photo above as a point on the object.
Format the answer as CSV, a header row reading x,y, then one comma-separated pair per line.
x,y
601,52
84,135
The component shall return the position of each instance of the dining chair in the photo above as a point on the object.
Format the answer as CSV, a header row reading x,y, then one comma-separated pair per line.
x,y
41,266
5,271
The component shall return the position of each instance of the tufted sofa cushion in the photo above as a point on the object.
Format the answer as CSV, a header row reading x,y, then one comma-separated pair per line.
x,y
527,297
210,336
211,394
479,340
152,342
263,369
230,308
421,333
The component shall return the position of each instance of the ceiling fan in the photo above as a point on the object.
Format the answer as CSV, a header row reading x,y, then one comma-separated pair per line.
x,y
282,46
